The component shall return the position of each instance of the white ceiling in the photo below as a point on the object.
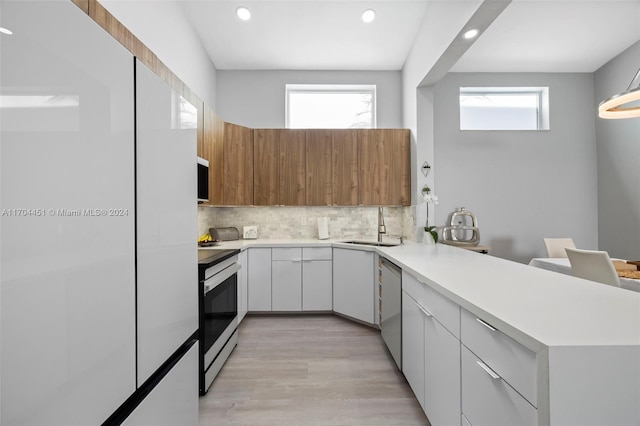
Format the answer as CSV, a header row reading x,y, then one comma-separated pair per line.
x,y
530,35
307,34
554,36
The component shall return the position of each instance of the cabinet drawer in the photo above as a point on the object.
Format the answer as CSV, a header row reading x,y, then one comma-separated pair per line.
x,y
512,361
316,253
287,253
491,401
444,310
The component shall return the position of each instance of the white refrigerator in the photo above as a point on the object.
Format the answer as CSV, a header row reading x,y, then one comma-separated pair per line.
x,y
77,320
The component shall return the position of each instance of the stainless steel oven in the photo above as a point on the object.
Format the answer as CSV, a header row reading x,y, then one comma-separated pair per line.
x,y
218,311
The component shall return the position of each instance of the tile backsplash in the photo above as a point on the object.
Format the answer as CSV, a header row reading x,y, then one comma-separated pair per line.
x,y
302,222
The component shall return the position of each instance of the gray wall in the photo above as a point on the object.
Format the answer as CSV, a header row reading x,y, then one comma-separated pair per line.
x,y
618,144
522,185
257,98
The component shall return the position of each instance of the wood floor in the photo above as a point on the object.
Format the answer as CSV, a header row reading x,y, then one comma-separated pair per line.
x,y
309,370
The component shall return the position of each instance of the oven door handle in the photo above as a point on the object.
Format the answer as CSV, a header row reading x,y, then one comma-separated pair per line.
x,y
221,277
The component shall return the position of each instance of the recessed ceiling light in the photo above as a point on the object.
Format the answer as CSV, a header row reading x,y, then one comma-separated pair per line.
x,y
243,13
368,15
5,31
471,34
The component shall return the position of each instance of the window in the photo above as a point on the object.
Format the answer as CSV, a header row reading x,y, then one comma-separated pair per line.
x,y
504,108
323,106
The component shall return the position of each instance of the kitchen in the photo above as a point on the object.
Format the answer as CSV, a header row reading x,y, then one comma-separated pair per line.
x,y
584,214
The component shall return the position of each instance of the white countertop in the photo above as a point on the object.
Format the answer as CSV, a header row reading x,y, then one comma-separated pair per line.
x,y
534,306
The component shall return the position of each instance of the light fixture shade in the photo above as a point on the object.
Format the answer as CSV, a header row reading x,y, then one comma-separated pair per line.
x,y
622,105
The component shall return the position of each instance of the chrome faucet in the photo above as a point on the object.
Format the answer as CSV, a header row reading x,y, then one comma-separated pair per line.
x,y
382,229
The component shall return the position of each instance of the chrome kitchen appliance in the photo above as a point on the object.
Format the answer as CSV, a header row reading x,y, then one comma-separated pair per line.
x,y
218,311
390,277
462,229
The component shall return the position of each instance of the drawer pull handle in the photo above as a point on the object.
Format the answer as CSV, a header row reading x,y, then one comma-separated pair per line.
x,y
489,371
489,326
424,311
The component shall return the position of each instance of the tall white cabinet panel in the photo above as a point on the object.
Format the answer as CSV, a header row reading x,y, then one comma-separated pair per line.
x,y
174,401
317,292
353,284
259,279
166,203
67,201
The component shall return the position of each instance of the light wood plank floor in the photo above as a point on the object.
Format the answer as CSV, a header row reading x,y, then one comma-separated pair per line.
x,y
309,370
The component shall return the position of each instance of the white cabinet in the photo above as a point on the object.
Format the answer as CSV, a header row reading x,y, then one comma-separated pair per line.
x,y
317,281
487,399
166,223
442,374
68,278
430,352
242,285
259,279
286,279
174,400
413,346
353,284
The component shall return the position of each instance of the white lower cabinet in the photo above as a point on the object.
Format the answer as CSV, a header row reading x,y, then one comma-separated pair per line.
x,y
286,279
413,346
431,363
317,282
259,279
488,400
353,284
442,374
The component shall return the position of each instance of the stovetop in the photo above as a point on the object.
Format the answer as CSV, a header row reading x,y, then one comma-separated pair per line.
x,y
211,257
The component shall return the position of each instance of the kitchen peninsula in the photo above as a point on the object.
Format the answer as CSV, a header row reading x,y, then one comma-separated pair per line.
x,y
577,342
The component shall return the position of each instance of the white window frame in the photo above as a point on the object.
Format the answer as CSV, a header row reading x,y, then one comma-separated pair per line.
x,y
332,88
542,94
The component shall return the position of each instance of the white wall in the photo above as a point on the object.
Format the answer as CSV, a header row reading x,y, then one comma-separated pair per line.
x,y
257,98
618,146
522,185
163,27
442,22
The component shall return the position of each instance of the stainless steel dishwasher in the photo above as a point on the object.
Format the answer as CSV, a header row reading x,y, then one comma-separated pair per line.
x,y
391,309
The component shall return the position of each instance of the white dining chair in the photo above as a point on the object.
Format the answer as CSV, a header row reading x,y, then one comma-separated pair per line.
x,y
593,265
556,246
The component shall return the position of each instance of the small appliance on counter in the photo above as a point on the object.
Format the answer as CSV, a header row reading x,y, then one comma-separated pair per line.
x,y
225,234
462,229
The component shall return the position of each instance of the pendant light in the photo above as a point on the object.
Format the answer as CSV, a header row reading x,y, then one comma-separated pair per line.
x,y
620,105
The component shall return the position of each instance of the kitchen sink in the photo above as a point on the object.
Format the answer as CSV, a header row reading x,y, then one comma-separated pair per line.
x,y
371,243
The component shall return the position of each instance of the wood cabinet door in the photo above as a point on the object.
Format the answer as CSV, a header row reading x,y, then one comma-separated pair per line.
x,y
238,165
291,167
385,169
345,170
319,188
213,151
265,161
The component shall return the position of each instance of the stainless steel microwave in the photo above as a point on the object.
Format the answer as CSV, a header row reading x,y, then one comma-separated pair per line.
x,y
203,180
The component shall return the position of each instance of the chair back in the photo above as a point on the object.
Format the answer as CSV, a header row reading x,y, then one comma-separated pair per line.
x,y
593,265
556,246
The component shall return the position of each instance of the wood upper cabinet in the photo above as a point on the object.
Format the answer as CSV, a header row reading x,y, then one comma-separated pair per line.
x,y
384,173
265,162
213,151
319,186
238,165
345,167
292,167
